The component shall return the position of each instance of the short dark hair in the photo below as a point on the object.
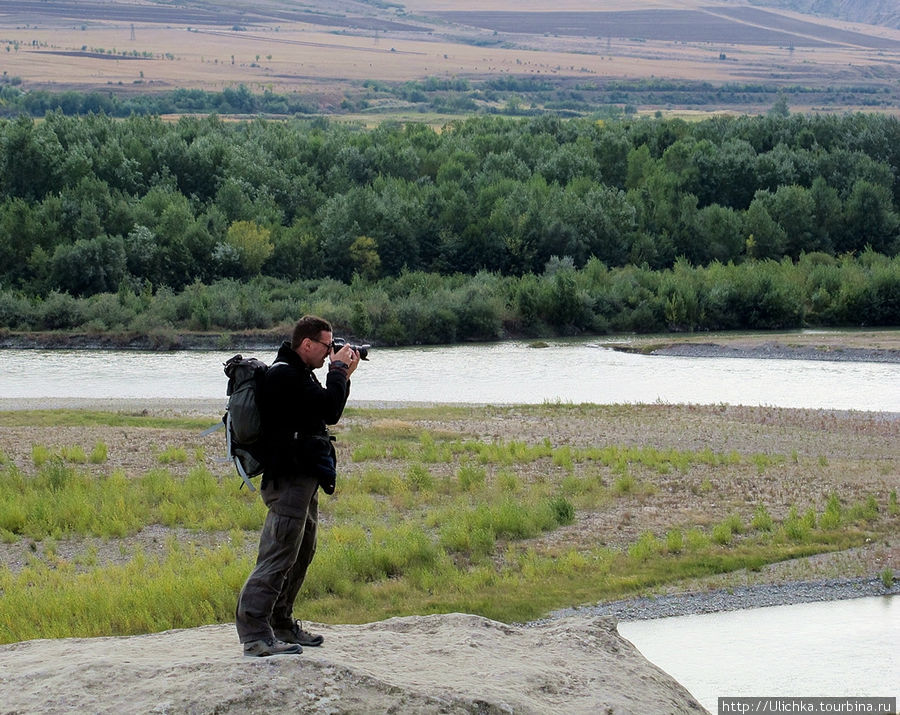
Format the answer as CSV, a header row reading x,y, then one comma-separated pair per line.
x,y
309,326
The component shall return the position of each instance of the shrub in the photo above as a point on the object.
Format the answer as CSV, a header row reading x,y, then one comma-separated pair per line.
x,y
833,514
794,526
470,477
40,455
377,481
674,541
98,454
173,454
762,520
722,533
16,311
419,478
563,510
74,454
107,312
58,311
625,484
645,547
866,511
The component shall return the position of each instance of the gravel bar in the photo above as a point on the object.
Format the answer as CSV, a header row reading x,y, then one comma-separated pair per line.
x,y
778,351
732,599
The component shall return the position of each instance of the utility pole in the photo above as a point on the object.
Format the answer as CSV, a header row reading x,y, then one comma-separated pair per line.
x,y
132,30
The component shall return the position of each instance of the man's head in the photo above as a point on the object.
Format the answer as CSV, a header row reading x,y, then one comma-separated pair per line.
x,y
311,340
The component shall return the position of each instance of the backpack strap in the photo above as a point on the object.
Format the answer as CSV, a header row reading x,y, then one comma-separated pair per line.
x,y
237,462
214,428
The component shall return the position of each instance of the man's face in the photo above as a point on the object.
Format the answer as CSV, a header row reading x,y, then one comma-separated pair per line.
x,y
314,351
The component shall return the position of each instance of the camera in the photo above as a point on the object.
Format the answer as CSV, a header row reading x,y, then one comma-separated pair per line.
x,y
361,350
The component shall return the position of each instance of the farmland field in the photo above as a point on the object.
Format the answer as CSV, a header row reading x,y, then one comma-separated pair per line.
x,y
328,50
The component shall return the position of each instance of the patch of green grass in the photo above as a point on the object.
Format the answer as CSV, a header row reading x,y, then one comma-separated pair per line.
x,y
764,461
62,501
833,516
722,533
99,453
371,572
173,455
40,455
369,450
625,484
379,481
436,521
56,600
696,539
508,482
762,520
646,547
418,478
470,477
795,527
89,418
674,541
725,530
863,512
74,454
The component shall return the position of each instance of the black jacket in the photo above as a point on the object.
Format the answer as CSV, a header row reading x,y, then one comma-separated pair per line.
x,y
295,404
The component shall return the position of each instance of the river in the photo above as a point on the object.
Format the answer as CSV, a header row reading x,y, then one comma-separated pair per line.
x,y
829,649
499,373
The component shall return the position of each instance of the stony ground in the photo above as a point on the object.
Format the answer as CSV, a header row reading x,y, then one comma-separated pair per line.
x,y
852,454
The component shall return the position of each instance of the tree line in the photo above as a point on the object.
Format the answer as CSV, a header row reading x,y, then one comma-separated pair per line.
x,y
506,95
92,205
428,308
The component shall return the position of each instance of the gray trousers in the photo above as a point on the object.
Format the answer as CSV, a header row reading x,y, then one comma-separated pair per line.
x,y
287,545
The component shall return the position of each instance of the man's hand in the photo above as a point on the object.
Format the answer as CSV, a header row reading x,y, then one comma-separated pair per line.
x,y
349,357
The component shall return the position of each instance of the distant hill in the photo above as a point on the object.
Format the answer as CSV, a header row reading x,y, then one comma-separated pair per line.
x,y
870,12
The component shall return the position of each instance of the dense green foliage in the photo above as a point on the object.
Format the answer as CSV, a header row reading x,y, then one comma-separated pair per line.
x,y
163,224
231,100
418,307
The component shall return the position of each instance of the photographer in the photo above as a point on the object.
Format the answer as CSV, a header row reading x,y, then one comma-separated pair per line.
x,y
295,410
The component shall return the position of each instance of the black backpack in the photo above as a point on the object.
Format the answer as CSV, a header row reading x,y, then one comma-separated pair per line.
x,y
243,423
244,432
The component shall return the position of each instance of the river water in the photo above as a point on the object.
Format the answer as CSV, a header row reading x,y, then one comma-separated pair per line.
x,y
500,373
830,649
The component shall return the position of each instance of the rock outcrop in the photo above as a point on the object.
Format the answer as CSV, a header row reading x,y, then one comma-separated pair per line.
x,y
425,664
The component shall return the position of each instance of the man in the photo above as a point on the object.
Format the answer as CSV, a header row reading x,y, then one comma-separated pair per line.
x,y
295,410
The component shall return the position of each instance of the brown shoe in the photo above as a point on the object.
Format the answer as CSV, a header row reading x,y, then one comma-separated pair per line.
x,y
271,646
296,634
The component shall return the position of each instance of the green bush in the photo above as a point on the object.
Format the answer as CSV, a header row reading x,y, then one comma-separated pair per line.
x,y
563,510
470,477
762,520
